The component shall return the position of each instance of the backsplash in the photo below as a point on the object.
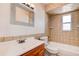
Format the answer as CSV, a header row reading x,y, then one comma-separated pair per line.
x,y
23,37
2,39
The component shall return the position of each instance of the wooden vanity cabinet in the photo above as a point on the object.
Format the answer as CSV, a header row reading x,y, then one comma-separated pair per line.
x,y
38,51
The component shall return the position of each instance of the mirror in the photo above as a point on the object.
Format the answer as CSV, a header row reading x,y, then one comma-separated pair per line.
x,y
22,14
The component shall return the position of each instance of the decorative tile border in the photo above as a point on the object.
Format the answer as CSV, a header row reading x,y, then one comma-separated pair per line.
x,y
8,38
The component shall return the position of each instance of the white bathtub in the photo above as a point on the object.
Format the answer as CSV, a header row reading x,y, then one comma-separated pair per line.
x,y
64,49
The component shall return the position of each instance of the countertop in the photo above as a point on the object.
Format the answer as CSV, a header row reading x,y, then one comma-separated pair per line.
x,y
13,48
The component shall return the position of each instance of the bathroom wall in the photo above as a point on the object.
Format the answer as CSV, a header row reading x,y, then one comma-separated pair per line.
x,y
57,35
47,22
7,29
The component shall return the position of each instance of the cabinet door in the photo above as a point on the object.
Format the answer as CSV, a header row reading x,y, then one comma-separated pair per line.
x,y
41,52
38,51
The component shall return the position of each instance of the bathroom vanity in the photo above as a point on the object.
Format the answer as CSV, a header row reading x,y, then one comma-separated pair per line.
x,y
31,47
38,51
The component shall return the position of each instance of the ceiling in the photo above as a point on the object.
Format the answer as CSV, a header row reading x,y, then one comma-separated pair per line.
x,y
64,9
58,8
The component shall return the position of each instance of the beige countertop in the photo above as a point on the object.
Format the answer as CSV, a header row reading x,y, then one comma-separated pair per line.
x,y
13,48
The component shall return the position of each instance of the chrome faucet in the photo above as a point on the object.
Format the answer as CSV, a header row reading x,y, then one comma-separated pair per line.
x,y
21,41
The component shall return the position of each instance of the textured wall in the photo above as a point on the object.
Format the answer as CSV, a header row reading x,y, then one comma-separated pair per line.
x,y
56,34
7,29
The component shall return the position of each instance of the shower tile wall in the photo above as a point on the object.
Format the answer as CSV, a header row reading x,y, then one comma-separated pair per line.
x,y
57,35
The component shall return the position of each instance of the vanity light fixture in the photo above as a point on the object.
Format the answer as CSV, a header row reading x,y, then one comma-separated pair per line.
x,y
29,5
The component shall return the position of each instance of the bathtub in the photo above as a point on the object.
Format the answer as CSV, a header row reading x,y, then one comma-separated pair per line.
x,y
64,49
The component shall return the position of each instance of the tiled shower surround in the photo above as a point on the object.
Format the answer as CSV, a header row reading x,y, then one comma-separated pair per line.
x,y
56,34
